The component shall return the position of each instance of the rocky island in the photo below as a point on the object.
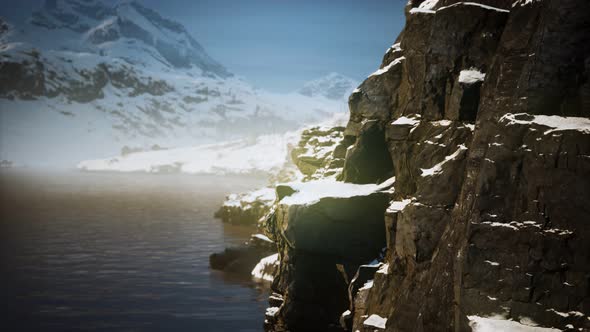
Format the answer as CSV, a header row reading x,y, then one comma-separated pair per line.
x,y
457,196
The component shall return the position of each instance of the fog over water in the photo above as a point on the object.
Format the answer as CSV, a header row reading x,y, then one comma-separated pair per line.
x,y
112,252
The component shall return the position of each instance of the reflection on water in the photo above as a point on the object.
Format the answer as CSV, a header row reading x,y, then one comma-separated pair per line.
x,y
120,252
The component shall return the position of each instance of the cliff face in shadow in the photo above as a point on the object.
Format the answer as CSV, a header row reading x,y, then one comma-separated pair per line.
x,y
480,111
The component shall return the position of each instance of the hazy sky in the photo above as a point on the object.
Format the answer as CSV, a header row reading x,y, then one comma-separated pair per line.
x,y
279,44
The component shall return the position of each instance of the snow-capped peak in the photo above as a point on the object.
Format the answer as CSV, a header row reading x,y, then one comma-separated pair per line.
x,y
122,29
331,86
75,15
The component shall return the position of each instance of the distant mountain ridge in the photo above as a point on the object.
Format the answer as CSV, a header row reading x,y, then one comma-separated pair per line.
x,y
331,86
122,75
103,25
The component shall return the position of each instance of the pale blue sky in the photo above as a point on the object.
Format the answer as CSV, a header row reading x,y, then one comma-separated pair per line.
x,y
280,44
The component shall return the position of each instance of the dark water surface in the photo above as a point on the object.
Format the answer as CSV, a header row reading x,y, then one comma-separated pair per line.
x,y
119,252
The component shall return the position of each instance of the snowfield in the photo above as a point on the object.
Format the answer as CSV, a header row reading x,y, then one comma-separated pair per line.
x,y
268,153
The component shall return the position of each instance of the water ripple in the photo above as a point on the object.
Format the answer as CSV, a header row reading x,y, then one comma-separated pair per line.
x,y
120,252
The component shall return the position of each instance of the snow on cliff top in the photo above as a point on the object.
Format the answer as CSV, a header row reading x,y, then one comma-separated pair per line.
x,y
427,7
311,192
523,2
264,195
475,4
388,67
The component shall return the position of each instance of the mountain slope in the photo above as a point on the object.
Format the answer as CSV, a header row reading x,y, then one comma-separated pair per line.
x,y
103,27
331,86
114,76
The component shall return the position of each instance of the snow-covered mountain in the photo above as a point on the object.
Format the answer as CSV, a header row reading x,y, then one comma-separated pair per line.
x,y
82,79
332,86
111,30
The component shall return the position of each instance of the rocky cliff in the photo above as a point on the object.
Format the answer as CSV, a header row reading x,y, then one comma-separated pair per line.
x,y
466,182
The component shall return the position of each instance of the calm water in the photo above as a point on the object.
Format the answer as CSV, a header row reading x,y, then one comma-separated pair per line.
x,y
119,252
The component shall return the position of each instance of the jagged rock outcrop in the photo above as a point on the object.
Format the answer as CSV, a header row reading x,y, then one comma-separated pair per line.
x,y
481,112
320,152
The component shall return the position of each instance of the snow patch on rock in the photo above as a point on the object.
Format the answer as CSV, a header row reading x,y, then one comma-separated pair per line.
x,y
436,169
394,48
243,200
260,270
426,7
553,122
307,193
524,2
385,69
384,269
470,76
498,323
262,237
476,5
375,321
396,206
367,285
272,311
402,120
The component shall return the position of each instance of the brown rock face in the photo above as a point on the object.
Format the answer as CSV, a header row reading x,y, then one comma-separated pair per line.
x,y
481,111
320,152
322,242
